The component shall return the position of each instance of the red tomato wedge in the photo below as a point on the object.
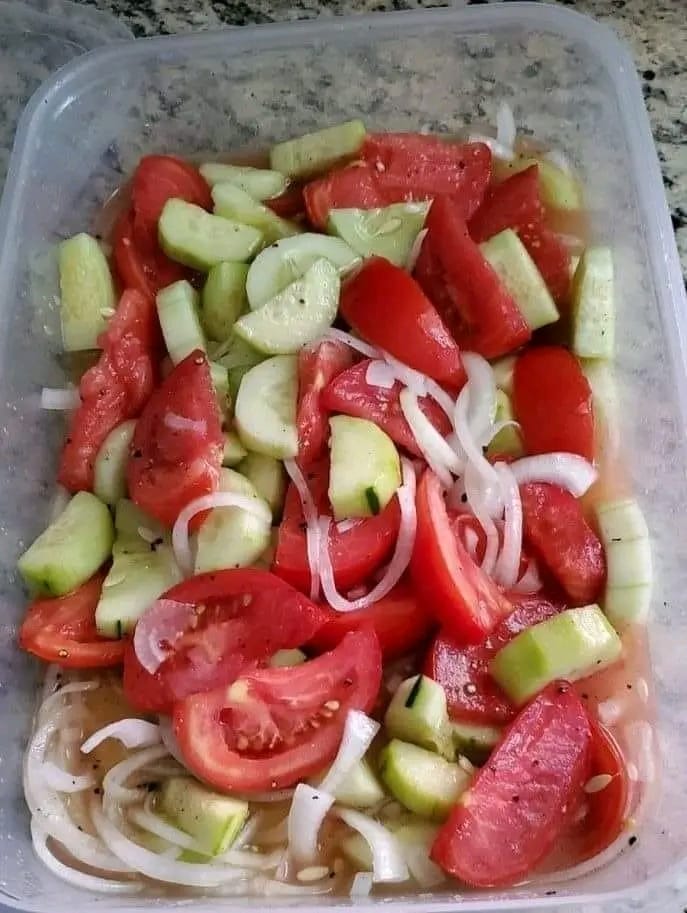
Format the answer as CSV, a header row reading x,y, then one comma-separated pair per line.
x,y
519,802
63,630
356,553
555,528
274,727
399,620
289,204
242,617
138,258
389,309
350,393
553,402
463,671
114,389
467,292
316,368
452,587
170,466
354,186
159,178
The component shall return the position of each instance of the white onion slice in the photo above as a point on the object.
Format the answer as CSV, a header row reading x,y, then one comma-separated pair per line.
x,y
180,423
359,731
567,470
409,377
476,502
361,886
308,810
505,126
312,529
380,374
497,148
424,871
352,341
158,630
440,396
508,562
248,859
415,249
60,399
180,540
149,821
62,781
531,581
388,864
114,779
132,733
473,451
169,740
482,399
344,525
441,458
59,501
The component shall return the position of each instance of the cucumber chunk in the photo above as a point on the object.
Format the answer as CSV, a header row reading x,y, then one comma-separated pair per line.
x,y
474,741
629,575
238,359
508,441
365,468
200,240
605,399
417,713
297,315
131,523
260,183
265,410
234,451
71,549
86,292
557,188
360,788
503,373
269,479
109,469
508,257
177,310
570,646
220,381
286,659
388,232
593,307
286,261
223,299
213,819
231,202
421,780
232,537
318,151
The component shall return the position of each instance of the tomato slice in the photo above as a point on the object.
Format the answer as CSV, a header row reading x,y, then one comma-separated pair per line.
x,y
242,618
63,630
158,178
354,186
138,258
399,620
555,527
389,309
351,394
461,596
474,303
553,402
114,389
316,368
274,727
518,803
463,671
356,552
169,465
289,204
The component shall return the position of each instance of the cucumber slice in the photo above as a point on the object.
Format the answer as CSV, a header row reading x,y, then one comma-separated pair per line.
x,y
297,315
593,307
629,574
417,713
224,299
213,819
389,232
557,188
137,528
86,292
220,381
71,549
265,411
508,257
365,468
286,261
260,183
318,151
234,451
200,240
231,202
503,373
421,780
508,441
239,358
109,469
360,788
605,400
475,742
286,659
177,310
569,646
269,479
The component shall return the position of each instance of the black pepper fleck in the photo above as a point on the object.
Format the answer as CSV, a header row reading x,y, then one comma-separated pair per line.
x,y
632,840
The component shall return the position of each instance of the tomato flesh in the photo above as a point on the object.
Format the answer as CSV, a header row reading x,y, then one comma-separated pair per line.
x,y
354,186
519,802
159,178
317,367
139,259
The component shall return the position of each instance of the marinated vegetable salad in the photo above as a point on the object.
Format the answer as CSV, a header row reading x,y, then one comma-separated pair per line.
x,y
344,591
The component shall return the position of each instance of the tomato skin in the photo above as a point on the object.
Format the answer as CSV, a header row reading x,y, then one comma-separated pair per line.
x,y
389,309
355,553
114,389
553,402
138,258
158,178
62,630
353,186
169,467
399,620
279,702
317,367
289,204
555,527
248,615
467,292
517,805
461,596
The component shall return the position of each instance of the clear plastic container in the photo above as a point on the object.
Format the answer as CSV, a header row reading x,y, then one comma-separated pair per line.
x,y
570,82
